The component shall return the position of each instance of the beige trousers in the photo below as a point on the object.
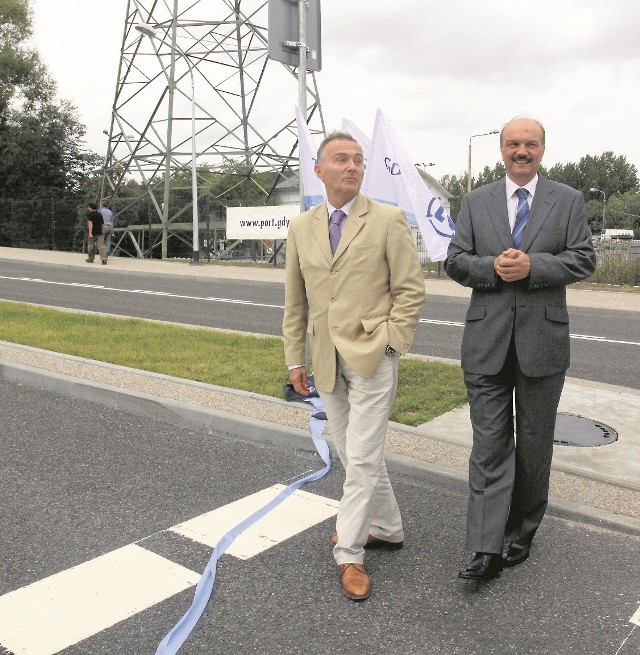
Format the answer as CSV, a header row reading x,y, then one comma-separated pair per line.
x,y
358,413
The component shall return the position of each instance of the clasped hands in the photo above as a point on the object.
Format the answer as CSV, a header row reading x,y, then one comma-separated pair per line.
x,y
512,265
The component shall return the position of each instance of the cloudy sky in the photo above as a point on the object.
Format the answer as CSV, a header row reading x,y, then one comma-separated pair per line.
x,y
440,71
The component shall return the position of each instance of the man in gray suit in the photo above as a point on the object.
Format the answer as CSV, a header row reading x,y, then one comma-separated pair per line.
x,y
518,243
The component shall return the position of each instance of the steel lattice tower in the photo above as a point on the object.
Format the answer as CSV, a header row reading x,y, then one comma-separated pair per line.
x,y
243,103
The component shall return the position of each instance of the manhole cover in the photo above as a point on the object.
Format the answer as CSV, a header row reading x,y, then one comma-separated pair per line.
x,y
572,430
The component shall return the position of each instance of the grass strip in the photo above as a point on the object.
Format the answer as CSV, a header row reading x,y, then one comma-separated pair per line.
x,y
255,364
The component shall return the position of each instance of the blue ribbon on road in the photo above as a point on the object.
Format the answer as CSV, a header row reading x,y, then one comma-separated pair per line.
x,y
179,633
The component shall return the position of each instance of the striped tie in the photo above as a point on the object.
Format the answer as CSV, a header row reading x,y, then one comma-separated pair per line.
x,y
522,214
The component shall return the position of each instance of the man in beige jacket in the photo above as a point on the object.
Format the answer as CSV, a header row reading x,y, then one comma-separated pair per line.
x,y
354,285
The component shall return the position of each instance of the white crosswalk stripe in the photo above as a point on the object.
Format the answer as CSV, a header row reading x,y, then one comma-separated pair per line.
x,y
52,614
299,512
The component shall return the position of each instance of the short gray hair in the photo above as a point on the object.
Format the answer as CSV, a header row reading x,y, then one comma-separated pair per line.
x,y
332,136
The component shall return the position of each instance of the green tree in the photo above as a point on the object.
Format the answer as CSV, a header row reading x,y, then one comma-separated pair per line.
x,y
568,174
457,186
609,173
490,175
22,74
623,210
42,153
44,165
606,172
41,139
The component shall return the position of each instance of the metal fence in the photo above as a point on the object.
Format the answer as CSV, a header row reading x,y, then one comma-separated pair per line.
x,y
618,262
59,224
44,224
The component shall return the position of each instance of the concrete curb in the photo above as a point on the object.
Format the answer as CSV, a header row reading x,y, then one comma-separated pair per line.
x,y
252,429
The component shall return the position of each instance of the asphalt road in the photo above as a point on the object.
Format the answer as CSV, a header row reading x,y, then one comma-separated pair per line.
x,y
605,349
86,481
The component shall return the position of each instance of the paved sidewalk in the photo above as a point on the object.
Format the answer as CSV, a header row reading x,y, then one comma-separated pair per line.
x,y
600,483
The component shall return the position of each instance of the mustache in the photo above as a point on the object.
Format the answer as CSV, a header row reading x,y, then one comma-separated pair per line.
x,y
522,159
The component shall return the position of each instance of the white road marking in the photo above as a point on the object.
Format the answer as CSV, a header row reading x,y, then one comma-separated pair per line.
x,y
300,511
236,301
587,337
635,619
433,321
603,340
50,615
143,291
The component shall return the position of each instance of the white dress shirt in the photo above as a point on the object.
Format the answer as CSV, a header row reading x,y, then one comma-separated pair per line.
x,y
345,208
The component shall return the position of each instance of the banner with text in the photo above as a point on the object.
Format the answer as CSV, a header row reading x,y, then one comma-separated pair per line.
x,y
260,222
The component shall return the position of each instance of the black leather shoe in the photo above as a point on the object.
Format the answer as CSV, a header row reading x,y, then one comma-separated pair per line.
x,y
483,566
514,554
374,543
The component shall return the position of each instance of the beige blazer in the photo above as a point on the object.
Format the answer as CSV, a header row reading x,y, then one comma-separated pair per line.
x,y
369,295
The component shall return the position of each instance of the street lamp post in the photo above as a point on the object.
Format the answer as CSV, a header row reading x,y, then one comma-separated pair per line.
x,y
604,205
149,30
469,168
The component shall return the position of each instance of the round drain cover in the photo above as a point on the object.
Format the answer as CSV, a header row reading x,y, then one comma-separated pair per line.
x,y
572,430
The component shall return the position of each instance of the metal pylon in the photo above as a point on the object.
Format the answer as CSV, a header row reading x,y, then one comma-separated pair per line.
x,y
244,118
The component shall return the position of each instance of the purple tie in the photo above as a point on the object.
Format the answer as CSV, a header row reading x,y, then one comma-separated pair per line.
x,y
334,229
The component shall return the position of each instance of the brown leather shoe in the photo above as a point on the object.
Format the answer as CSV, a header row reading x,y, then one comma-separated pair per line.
x,y
375,542
355,581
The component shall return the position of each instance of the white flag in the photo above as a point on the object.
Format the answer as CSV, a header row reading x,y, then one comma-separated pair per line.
x,y
392,178
365,142
314,192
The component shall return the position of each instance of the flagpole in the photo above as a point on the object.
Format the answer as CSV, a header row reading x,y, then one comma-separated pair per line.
x,y
302,80
302,104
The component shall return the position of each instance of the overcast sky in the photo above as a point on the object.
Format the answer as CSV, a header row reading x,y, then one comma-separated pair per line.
x,y
440,71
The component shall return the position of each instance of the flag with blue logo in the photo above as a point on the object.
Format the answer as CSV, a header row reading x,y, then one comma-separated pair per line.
x,y
314,192
392,178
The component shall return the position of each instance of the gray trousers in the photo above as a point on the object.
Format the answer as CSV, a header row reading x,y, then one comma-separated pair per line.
x,y
107,231
509,478
91,247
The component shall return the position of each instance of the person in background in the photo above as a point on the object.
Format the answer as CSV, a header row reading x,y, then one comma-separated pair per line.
x,y
108,225
96,238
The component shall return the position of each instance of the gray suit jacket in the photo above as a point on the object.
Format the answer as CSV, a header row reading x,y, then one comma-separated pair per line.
x,y
534,310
